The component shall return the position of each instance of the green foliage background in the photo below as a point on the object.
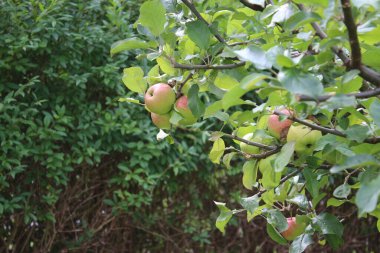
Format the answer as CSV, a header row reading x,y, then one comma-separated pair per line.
x,y
80,171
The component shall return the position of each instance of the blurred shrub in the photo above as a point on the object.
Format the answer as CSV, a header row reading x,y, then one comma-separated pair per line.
x,y
72,158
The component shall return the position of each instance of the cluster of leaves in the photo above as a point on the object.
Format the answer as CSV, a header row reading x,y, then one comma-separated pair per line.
x,y
59,121
316,58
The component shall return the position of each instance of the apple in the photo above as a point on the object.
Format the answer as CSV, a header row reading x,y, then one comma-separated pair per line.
x,y
182,107
277,128
161,121
294,229
258,137
159,98
304,137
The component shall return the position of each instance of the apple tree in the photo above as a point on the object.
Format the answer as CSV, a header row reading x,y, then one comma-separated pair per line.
x,y
288,89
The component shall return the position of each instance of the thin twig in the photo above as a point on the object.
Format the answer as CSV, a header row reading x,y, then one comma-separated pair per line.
x,y
191,67
251,143
358,95
356,57
365,72
199,16
325,130
179,91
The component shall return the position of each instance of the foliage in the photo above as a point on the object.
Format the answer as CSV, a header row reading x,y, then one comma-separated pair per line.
x,y
73,159
244,60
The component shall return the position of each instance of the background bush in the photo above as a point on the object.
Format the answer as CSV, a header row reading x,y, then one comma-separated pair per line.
x,y
80,171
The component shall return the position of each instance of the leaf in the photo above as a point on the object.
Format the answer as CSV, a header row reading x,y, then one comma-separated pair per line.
x,y
370,56
374,110
225,81
312,184
175,118
277,219
284,156
284,12
298,83
334,241
224,216
161,135
328,224
300,200
335,202
166,66
275,235
301,243
133,78
301,18
195,104
342,191
128,44
250,174
367,196
251,203
129,100
353,162
227,159
217,151
339,101
152,16
199,33
357,133
255,55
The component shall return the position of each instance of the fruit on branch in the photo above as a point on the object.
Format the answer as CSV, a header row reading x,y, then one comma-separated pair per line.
x,y
294,229
259,137
159,98
161,121
277,128
304,137
182,107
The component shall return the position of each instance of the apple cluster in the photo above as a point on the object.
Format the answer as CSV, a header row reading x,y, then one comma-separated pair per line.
x,y
304,137
160,101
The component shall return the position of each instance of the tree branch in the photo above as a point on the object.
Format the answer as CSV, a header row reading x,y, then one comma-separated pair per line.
x,y
356,57
254,7
365,72
190,67
358,95
264,154
199,16
251,143
179,93
325,130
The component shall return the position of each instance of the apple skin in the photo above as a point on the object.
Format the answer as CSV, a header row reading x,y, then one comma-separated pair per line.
x,y
305,138
182,107
294,229
161,121
277,128
159,98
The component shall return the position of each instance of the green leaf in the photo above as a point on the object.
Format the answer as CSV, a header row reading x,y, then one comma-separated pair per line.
x,y
300,200
334,241
298,83
301,243
301,18
133,78
255,55
335,202
250,174
152,16
342,191
277,219
367,196
166,66
128,44
370,57
284,156
312,184
353,162
225,81
328,224
217,151
357,133
275,235
374,110
227,159
224,216
175,118
250,203
339,101
199,33
195,104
